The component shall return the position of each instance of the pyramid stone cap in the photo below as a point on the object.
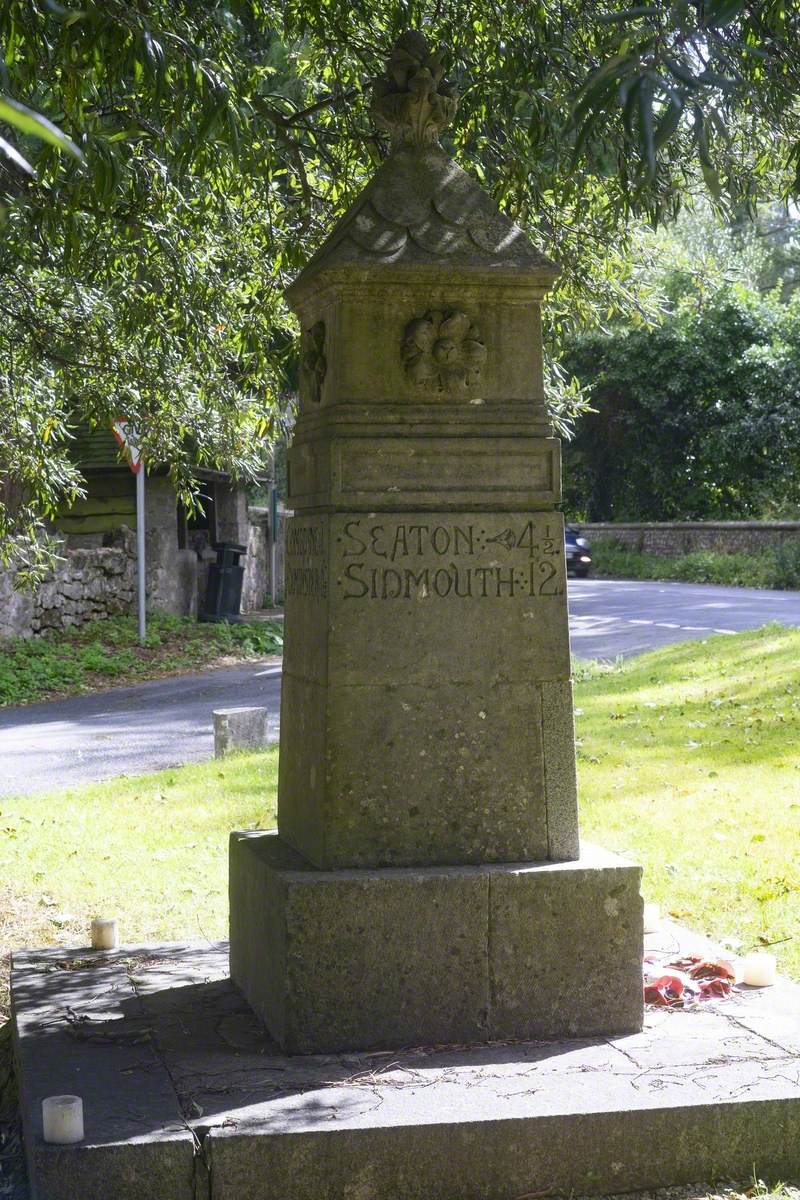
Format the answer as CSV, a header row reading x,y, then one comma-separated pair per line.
x,y
421,210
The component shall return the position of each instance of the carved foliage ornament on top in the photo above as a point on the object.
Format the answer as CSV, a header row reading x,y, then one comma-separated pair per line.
x,y
413,100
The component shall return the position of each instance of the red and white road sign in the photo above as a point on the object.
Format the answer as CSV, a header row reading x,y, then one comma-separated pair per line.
x,y
126,436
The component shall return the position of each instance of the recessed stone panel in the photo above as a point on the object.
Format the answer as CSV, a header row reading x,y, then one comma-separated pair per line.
x,y
440,469
438,597
378,320
391,473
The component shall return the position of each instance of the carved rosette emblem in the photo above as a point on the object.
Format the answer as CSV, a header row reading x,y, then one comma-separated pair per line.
x,y
443,351
313,363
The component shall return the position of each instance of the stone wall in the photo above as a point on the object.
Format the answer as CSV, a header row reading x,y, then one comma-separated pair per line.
x,y
256,564
171,572
683,537
277,592
92,581
258,591
88,584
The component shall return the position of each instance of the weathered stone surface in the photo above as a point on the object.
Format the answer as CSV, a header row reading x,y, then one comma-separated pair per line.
x,y
244,728
85,584
560,776
422,210
17,610
432,775
256,584
417,651
576,1152
695,1095
342,960
171,572
231,512
69,1011
566,948
339,960
369,474
146,1168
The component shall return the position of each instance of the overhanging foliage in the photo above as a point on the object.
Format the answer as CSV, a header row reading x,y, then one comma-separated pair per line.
x,y
219,138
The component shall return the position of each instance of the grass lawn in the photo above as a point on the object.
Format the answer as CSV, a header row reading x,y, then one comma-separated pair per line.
x,y
104,654
689,762
149,850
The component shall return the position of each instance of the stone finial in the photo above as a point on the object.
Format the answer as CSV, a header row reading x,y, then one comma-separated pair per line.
x,y
412,99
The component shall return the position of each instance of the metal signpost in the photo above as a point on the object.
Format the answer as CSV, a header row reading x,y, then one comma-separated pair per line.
x,y
126,435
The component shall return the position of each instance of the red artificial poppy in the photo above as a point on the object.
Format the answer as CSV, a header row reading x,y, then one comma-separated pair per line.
x,y
665,991
714,987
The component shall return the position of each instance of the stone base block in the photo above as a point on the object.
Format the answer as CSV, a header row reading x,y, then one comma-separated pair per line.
x,y
361,959
245,728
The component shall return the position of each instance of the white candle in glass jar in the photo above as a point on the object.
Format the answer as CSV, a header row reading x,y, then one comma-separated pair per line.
x,y
104,934
759,969
652,918
62,1120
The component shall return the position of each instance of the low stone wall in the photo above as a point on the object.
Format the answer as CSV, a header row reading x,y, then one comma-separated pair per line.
x,y
91,582
674,538
88,584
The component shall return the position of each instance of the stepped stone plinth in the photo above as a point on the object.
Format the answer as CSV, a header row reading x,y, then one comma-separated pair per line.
x,y
426,882
439,992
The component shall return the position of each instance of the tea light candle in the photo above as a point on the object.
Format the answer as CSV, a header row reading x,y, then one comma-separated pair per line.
x,y
62,1119
652,918
759,969
104,935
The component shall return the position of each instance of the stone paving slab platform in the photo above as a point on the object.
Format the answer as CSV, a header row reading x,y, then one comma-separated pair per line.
x,y
187,1098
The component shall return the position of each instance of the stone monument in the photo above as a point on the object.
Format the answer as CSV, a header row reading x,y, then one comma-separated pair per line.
x,y
426,884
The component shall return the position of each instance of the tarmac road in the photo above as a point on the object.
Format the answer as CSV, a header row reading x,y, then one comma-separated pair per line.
x,y
128,731
610,617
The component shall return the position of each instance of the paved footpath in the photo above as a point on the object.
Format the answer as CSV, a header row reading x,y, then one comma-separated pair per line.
x,y
168,722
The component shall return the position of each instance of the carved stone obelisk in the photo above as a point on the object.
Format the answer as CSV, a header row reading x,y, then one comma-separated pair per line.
x,y
425,884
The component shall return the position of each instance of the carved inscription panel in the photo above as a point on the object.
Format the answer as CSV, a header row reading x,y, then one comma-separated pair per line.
x,y
424,557
306,571
446,558
376,598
